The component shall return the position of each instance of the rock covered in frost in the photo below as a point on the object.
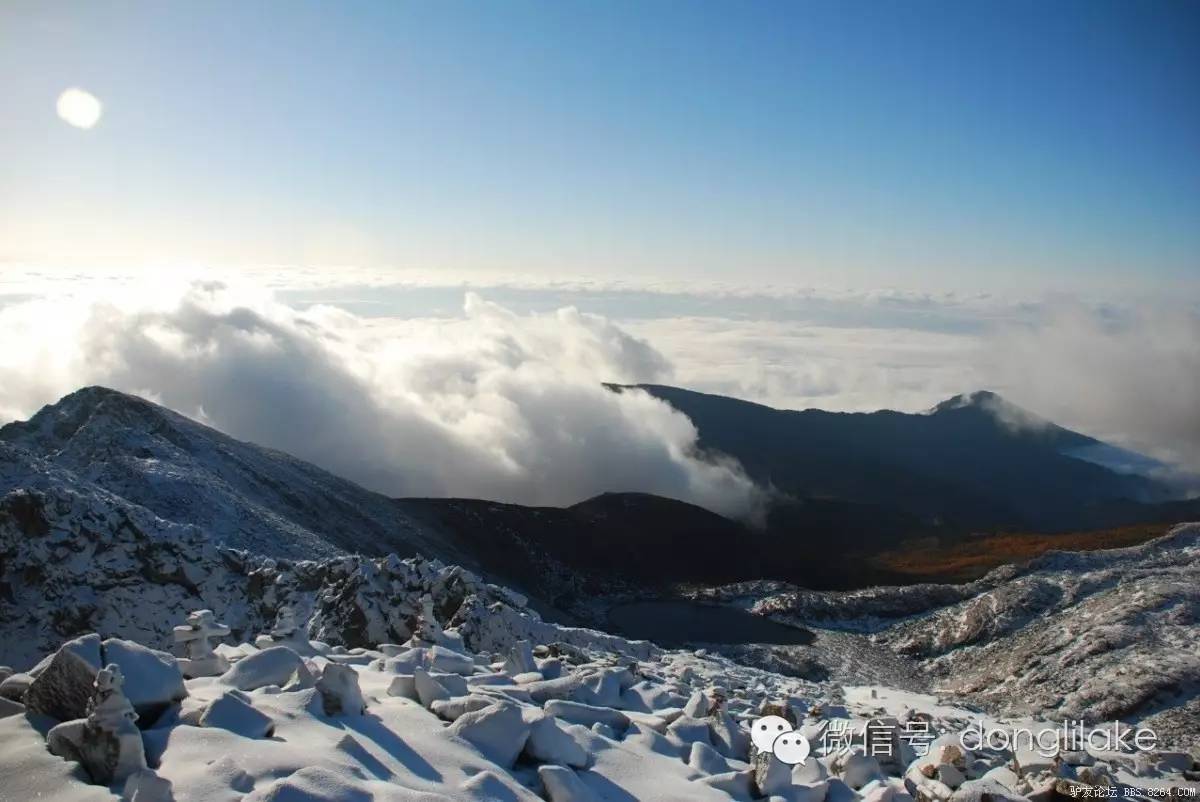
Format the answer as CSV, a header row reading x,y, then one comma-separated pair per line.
x,y
153,681
587,715
703,757
277,665
563,785
448,661
405,686
857,769
340,692
498,731
288,631
146,786
451,709
10,708
520,659
14,687
428,689
550,743
233,711
107,743
65,683
738,784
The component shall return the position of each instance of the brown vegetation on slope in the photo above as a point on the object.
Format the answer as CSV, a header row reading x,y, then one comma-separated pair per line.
x,y
927,560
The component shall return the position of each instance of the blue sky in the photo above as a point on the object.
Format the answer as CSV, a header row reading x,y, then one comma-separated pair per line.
x,y
922,144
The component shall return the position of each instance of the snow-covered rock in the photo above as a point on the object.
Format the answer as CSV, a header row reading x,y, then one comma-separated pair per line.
x,y
563,785
153,681
550,743
64,685
234,711
107,743
340,694
277,665
498,731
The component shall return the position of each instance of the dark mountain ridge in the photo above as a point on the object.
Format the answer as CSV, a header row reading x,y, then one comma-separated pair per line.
x,y
973,462
267,502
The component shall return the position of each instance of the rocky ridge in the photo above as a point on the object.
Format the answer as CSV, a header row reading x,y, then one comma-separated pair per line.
x,y
1077,635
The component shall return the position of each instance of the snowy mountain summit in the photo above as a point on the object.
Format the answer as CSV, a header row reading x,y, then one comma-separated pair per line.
x,y
242,494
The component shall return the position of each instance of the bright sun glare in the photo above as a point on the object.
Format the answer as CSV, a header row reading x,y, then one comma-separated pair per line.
x,y
79,108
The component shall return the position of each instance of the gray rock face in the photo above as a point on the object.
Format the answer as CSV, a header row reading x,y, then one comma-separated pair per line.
x,y
62,689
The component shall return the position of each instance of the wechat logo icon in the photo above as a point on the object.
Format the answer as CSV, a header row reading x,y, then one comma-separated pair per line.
x,y
775,735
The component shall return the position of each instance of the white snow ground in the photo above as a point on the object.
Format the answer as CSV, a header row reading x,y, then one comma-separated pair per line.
x,y
602,720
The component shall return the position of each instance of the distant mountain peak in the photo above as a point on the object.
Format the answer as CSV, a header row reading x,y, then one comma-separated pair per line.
x,y
1004,411
980,399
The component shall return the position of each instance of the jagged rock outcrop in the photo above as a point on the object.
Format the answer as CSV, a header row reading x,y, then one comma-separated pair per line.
x,y
76,559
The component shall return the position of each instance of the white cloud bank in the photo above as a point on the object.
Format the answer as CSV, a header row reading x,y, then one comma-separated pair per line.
x,y
1127,375
485,402
490,405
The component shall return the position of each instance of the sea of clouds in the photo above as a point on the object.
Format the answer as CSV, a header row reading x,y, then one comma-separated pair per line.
x,y
444,391
489,404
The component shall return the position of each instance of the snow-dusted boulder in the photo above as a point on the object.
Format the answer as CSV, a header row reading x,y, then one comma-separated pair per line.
x,y
10,708
65,683
277,665
107,743
729,738
645,696
14,687
233,711
704,758
772,776
579,713
985,790
498,731
454,683
429,690
451,709
738,784
146,786
448,661
405,686
563,785
520,659
153,681
857,769
288,632
686,731
340,692
697,706
550,743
